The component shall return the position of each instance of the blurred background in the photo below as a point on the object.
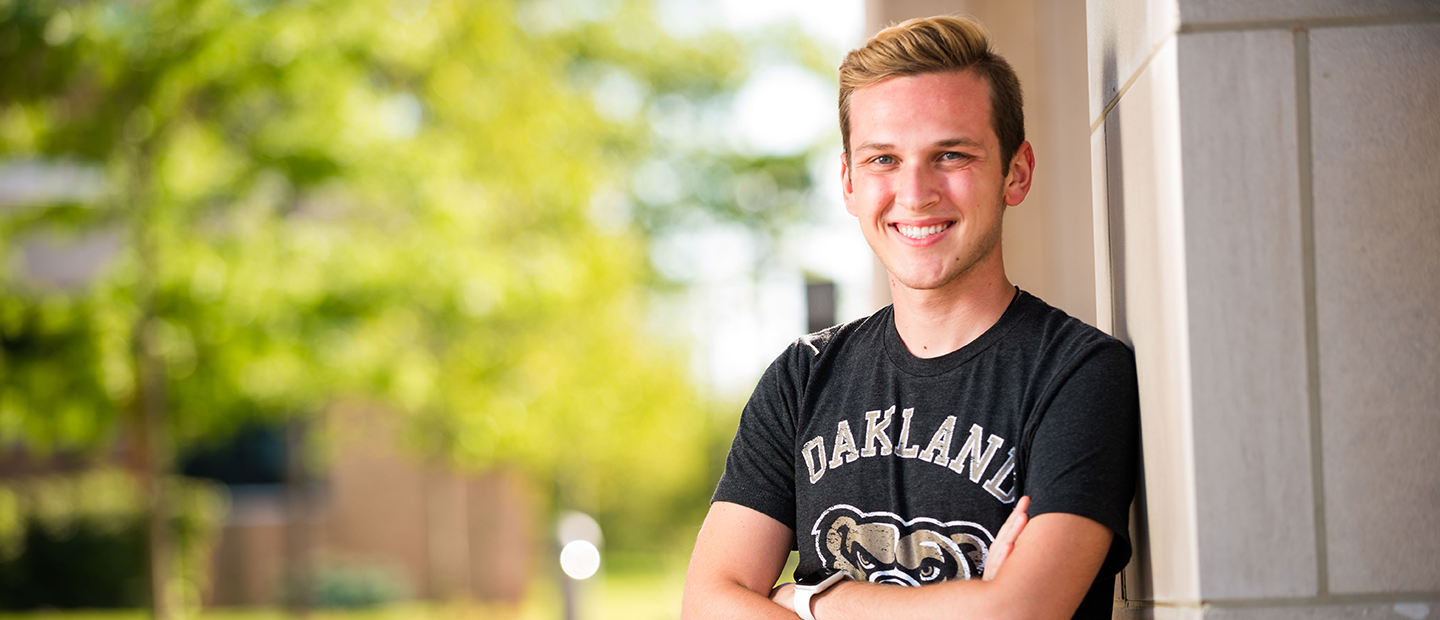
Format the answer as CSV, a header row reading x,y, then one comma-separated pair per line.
x,y
368,307
409,309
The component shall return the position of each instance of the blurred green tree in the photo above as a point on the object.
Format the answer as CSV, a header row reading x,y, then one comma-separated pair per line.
x,y
444,206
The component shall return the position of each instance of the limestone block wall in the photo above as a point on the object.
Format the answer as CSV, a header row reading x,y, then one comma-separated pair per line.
x,y
1267,213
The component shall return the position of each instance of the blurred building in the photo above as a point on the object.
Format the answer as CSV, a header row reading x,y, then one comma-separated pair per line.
x,y
1244,191
378,523
375,524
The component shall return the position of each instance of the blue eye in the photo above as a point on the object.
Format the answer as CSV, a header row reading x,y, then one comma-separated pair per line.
x,y
884,160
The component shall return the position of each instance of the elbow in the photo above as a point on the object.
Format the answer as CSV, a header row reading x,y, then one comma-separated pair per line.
x,y
709,599
695,600
692,607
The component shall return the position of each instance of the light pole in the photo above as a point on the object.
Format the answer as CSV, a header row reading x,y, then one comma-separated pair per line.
x,y
580,540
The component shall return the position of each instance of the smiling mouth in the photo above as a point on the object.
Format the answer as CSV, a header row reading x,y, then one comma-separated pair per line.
x,y
921,232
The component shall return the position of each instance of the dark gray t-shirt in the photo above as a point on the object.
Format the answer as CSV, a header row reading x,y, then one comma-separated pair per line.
x,y
901,470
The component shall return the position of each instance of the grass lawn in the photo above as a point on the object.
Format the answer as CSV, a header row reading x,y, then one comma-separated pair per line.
x,y
629,591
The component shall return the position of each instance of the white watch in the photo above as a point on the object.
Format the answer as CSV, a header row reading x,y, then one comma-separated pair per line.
x,y
812,584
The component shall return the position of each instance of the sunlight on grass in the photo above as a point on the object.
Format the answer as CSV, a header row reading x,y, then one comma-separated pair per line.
x,y
639,597
636,593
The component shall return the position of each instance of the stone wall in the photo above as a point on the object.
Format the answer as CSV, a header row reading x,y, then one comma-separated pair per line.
x,y
1264,176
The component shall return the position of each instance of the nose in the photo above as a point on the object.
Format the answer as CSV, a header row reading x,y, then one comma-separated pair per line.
x,y
917,188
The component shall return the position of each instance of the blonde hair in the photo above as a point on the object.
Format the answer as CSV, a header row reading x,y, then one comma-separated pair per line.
x,y
937,45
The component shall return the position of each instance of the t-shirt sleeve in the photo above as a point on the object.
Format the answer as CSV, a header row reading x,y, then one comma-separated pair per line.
x,y
1085,446
760,469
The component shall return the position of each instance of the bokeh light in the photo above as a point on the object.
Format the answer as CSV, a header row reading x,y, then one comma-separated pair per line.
x,y
580,559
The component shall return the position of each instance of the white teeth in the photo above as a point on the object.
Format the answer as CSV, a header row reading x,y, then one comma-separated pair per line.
x,y
920,232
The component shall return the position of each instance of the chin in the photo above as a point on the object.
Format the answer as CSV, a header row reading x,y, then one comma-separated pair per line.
x,y
931,276
922,283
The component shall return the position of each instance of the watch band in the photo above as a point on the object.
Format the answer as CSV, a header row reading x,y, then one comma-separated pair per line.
x,y
802,603
805,591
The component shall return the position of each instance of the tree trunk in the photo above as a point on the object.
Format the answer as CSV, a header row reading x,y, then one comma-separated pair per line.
x,y
151,398
298,567
154,450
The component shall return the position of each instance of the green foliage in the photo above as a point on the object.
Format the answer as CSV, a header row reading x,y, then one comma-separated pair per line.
x,y
80,540
433,205
62,371
350,587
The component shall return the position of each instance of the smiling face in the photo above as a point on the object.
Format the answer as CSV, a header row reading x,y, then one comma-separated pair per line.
x,y
926,178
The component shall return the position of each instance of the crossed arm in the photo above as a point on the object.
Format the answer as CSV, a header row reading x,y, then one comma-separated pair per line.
x,y
740,552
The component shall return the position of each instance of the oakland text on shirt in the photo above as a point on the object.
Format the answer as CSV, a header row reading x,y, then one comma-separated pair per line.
x,y
977,452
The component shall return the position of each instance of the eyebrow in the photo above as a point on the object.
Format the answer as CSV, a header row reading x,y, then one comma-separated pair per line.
x,y
947,143
958,142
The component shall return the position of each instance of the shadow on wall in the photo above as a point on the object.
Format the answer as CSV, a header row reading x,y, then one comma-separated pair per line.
x,y
1135,579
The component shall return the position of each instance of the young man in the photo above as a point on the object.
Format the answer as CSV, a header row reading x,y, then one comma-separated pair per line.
x,y
892,449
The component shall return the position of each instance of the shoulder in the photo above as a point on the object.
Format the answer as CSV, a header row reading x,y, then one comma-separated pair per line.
x,y
813,358
827,343
1061,338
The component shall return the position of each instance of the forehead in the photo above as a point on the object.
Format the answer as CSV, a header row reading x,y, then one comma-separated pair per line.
x,y
930,106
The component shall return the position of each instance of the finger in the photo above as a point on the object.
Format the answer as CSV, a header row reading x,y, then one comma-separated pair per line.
x,y
1015,522
1020,515
998,553
1005,539
784,596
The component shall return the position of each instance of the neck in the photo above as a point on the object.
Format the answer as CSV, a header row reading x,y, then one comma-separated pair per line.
x,y
935,322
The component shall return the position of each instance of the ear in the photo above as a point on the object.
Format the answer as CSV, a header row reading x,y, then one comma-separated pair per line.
x,y
1020,174
847,189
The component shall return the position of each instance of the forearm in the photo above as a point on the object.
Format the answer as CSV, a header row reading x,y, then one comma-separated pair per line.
x,y
727,601
968,599
1052,566
738,556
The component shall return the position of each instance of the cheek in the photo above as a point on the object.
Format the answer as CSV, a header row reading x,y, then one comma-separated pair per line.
x,y
870,198
961,189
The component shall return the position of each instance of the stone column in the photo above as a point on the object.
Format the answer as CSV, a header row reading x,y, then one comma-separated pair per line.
x,y
1267,208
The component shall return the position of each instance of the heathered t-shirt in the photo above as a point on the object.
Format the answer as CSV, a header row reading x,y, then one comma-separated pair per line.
x,y
901,470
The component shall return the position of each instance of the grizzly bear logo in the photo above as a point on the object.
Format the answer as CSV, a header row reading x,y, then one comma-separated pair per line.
x,y
883,548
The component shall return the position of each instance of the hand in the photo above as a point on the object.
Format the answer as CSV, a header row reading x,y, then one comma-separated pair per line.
x,y
1005,540
784,596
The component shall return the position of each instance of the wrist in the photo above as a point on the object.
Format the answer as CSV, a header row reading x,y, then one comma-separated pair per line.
x,y
826,605
814,585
